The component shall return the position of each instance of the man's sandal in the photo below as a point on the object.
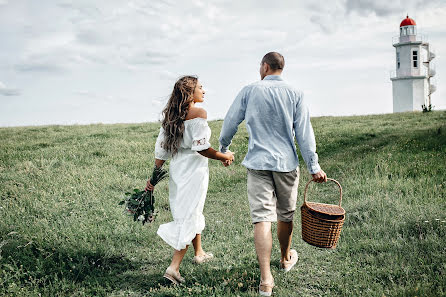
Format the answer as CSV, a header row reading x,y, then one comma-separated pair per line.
x,y
288,264
266,289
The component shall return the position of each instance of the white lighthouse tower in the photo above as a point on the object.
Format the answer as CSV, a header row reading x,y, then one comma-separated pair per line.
x,y
411,82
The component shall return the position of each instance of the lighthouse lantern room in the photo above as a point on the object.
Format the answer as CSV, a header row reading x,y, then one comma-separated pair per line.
x,y
411,81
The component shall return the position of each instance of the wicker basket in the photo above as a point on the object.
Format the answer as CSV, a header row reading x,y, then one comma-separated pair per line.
x,y
322,223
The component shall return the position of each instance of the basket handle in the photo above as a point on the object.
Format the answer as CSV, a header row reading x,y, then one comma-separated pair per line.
x,y
330,179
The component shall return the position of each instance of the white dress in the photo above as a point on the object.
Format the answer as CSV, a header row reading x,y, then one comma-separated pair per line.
x,y
188,183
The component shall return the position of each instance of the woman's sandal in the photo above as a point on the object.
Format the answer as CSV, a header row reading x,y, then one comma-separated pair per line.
x,y
173,276
266,289
203,258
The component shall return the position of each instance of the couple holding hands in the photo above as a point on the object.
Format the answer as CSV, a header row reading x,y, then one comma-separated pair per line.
x,y
275,114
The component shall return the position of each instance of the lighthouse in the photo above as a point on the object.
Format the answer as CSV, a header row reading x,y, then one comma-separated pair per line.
x,y
412,80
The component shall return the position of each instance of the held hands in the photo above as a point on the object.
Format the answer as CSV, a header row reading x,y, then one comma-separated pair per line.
x,y
320,177
229,159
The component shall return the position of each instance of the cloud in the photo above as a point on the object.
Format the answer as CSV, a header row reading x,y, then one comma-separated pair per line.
x,y
385,8
169,75
319,20
379,7
38,66
102,97
8,91
128,35
333,15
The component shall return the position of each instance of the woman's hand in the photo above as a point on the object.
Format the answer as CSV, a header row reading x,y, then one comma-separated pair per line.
x,y
229,158
149,186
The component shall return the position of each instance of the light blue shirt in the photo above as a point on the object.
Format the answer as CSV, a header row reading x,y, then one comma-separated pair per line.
x,y
274,112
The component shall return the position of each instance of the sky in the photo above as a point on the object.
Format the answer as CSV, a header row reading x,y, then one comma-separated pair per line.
x,y
109,61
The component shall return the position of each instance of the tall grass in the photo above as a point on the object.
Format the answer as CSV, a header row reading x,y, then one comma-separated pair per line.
x,y
63,234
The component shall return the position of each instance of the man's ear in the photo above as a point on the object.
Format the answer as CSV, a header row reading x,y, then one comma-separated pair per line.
x,y
266,67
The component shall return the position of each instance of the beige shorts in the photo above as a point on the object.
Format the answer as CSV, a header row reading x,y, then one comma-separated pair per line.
x,y
272,195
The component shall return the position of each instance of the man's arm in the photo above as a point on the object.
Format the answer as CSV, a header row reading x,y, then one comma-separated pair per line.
x,y
234,116
305,138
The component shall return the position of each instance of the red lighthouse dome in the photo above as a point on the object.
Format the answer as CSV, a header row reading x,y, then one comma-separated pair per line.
x,y
407,22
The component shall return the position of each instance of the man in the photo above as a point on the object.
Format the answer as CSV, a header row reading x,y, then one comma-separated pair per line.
x,y
274,113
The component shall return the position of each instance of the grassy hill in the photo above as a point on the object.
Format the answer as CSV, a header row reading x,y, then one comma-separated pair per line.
x,y
63,234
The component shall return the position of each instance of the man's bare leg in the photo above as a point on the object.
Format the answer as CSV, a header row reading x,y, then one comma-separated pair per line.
x,y
263,243
284,234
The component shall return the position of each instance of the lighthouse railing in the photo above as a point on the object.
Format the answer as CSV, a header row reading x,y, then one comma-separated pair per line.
x,y
409,38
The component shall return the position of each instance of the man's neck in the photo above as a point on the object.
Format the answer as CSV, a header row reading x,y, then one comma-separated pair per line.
x,y
277,72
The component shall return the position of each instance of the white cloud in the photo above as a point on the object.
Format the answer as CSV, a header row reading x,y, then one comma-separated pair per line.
x,y
8,91
100,97
128,35
387,8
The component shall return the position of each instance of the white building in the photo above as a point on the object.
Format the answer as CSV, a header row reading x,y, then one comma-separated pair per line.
x,y
411,82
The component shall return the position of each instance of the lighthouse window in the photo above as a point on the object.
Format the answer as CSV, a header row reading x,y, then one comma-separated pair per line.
x,y
415,58
398,60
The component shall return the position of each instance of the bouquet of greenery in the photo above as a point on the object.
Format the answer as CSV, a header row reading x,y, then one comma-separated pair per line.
x,y
141,204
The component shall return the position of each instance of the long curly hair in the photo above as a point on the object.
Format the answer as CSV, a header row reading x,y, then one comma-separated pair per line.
x,y
174,114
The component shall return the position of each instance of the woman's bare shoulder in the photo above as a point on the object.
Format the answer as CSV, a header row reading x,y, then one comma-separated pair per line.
x,y
196,112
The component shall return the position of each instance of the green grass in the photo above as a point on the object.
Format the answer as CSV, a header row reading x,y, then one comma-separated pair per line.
x,y
63,234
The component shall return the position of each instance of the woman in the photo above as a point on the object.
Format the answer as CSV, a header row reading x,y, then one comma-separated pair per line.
x,y
184,136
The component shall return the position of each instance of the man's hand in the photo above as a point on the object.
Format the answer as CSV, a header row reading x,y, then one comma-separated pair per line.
x,y
320,177
149,186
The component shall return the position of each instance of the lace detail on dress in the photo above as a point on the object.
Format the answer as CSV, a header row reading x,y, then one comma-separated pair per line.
x,y
199,142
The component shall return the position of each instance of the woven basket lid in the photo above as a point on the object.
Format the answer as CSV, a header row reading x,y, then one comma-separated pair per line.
x,y
328,209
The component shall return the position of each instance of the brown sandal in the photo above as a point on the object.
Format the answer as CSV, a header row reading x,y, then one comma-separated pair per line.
x,y
173,276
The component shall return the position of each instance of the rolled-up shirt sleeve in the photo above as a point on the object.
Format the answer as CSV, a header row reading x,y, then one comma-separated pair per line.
x,y
160,152
305,136
234,116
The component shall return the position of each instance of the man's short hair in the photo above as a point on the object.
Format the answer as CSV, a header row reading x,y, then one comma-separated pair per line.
x,y
274,60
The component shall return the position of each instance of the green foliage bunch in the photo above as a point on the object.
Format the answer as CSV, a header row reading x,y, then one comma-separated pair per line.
x,y
141,204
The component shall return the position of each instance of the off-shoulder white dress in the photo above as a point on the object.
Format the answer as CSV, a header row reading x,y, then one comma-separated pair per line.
x,y
188,183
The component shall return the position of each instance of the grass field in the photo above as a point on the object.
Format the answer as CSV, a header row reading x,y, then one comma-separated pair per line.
x,y
63,234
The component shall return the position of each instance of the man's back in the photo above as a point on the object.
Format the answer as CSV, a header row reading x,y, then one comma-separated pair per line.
x,y
272,110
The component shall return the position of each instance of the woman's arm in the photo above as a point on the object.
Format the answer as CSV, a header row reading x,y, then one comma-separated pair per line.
x,y
158,164
210,153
